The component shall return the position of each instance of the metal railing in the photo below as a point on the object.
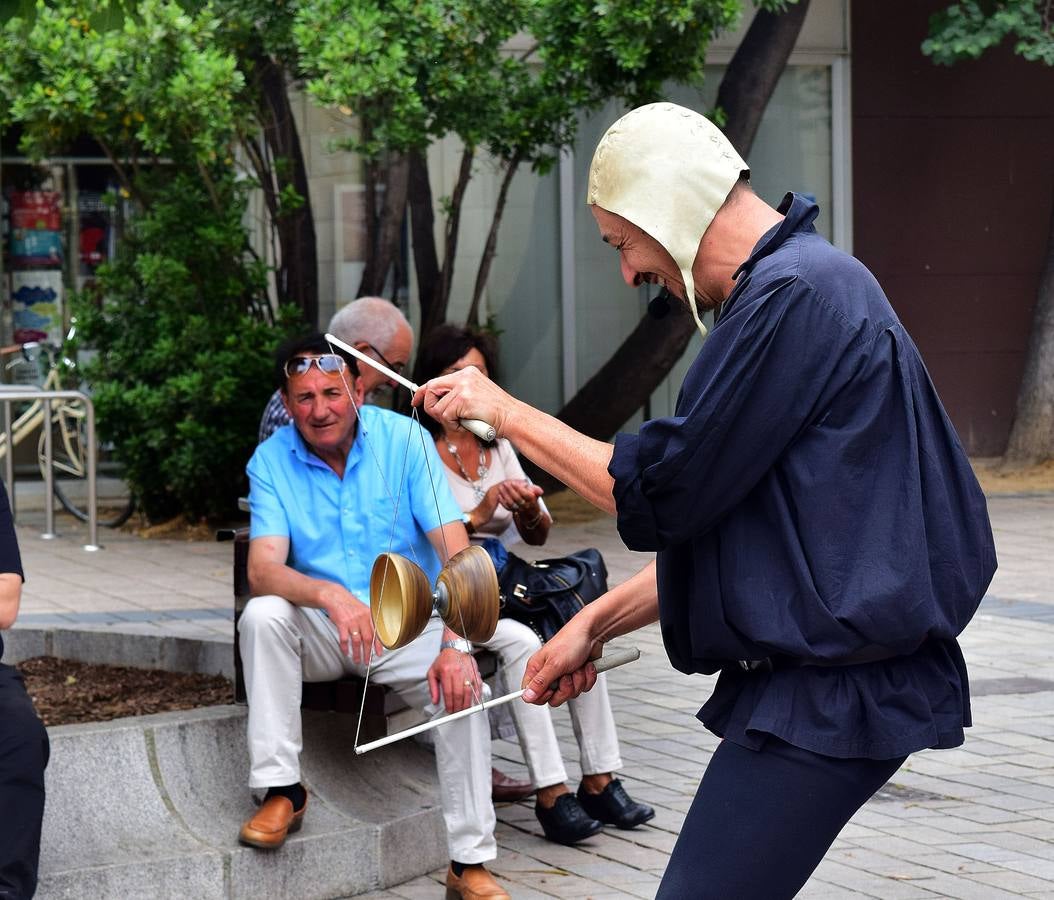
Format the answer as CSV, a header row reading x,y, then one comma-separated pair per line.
x,y
30,395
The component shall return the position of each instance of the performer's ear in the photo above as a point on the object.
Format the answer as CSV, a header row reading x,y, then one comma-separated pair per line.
x,y
659,305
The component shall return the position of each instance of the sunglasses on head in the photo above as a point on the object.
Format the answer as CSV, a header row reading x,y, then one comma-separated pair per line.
x,y
328,364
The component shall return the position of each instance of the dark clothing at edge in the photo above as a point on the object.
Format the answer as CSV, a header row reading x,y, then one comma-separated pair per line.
x,y
24,750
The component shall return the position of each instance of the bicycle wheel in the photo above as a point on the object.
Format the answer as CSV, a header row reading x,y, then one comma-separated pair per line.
x,y
115,503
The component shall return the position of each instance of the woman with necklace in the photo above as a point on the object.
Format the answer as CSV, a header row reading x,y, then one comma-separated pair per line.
x,y
487,479
500,502
489,483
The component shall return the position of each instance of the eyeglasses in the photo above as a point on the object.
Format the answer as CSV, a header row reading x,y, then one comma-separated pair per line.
x,y
397,368
328,364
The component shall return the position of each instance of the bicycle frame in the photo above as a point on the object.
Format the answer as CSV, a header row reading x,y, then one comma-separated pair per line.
x,y
50,405
32,418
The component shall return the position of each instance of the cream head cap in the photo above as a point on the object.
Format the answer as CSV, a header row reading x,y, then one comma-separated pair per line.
x,y
667,169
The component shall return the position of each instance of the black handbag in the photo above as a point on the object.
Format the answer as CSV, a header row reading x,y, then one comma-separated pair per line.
x,y
544,595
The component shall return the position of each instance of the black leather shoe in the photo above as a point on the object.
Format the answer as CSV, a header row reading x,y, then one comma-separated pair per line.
x,y
566,822
613,806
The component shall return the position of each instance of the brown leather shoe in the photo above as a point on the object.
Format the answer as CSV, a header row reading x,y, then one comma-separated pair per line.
x,y
475,883
504,789
275,819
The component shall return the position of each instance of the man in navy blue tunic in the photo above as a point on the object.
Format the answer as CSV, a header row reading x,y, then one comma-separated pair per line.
x,y
820,538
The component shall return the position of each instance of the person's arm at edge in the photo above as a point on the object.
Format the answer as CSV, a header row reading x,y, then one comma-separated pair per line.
x,y
10,598
625,608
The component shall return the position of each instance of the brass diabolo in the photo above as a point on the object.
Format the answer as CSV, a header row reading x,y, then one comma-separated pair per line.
x,y
465,596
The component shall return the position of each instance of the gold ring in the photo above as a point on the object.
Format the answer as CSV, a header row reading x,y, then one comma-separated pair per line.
x,y
354,634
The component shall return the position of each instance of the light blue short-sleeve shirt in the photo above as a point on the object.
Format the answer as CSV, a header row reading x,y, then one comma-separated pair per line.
x,y
393,492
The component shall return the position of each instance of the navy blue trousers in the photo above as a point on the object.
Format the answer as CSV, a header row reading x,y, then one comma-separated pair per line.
x,y
763,819
24,751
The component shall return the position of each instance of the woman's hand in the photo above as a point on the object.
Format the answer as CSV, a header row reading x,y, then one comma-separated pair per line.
x,y
532,522
519,496
484,512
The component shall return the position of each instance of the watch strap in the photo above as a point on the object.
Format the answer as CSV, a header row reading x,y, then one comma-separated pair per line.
x,y
459,644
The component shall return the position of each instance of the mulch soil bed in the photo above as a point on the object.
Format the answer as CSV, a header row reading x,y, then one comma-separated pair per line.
x,y
65,692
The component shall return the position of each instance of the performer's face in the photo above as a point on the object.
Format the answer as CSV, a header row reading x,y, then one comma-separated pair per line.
x,y
322,410
643,259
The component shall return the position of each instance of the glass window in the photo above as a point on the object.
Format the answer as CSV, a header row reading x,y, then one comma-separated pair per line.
x,y
56,228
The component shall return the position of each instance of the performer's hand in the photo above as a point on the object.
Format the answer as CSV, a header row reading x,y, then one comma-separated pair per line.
x,y
565,658
455,676
465,394
354,624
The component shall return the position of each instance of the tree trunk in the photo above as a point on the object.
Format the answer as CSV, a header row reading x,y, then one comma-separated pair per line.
x,y
624,383
297,270
755,69
422,228
389,227
1032,434
483,272
433,312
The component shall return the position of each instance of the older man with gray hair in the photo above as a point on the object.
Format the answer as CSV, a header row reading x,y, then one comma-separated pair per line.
x,y
371,324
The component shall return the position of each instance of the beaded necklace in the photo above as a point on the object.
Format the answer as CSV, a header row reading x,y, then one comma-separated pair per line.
x,y
481,472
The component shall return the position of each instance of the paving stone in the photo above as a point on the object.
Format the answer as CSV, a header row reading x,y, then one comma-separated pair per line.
x,y
1014,882
947,860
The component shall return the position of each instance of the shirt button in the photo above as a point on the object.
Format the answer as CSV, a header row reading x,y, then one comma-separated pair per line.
x,y
351,552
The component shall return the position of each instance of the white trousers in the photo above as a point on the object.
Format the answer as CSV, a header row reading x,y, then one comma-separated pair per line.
x,y
591,716
283,645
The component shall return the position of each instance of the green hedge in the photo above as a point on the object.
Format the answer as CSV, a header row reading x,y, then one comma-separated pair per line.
x,y
185,339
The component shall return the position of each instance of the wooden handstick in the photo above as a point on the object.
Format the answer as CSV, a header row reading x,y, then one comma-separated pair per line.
x,y
484,431
613,659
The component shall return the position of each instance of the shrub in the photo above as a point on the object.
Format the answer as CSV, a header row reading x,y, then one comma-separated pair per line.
x,y
185,337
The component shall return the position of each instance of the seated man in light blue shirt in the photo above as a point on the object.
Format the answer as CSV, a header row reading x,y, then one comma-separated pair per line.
x,y
328,493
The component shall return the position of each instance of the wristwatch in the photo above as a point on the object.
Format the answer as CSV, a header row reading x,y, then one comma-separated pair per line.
x,y
459,644
469,527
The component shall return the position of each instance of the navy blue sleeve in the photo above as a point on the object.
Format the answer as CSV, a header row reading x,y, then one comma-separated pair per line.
x,y
764,372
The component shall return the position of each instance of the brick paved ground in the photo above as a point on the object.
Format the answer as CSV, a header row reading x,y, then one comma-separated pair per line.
x,y
975,822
